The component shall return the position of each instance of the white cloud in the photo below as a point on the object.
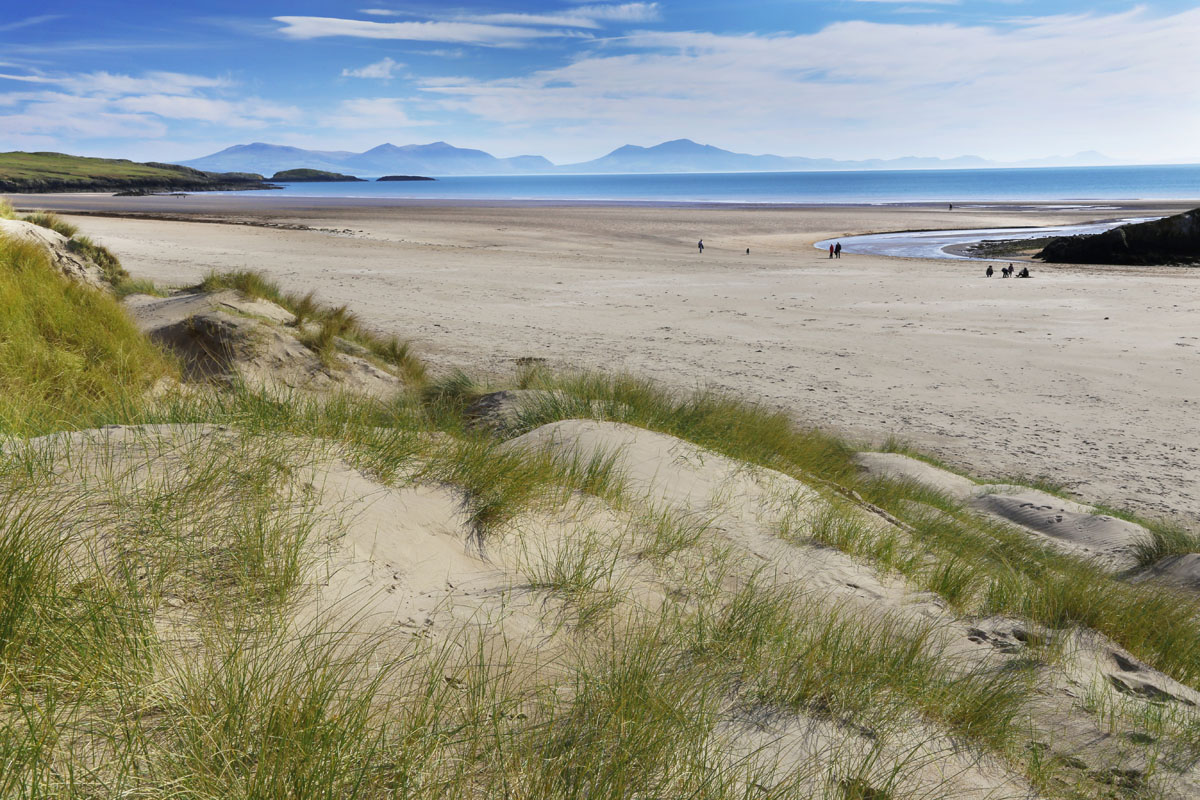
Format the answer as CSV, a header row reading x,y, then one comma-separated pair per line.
x,y
450,32
245,113
626,12
107,83
579,17
102,104
857,89
372,113
382,70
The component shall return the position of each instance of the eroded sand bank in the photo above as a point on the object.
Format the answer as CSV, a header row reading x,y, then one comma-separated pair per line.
x,y
1087,376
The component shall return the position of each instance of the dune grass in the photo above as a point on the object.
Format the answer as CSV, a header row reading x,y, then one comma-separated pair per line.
x,y
147,646
982,566
728,425
331,322
69,356
261,709
48,219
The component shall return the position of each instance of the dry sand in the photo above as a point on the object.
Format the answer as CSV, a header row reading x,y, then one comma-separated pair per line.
x,y
1084,375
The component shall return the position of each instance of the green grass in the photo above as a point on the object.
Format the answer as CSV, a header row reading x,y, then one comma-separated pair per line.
x,y
1165,540
125,288
52,221
148,647
729,425
102,257
982,566
332,322
69,356
33,172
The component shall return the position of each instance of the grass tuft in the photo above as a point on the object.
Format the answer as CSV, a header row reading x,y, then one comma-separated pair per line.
x,y
109,265
48,219
333,323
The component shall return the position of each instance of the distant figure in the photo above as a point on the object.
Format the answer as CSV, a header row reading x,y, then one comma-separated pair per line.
x,y
1005,271
700,244
837,250
989,271
1024,273
747,251
949,206
831,251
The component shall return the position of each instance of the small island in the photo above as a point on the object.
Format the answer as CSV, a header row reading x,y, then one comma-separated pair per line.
x,y
312,176
404,178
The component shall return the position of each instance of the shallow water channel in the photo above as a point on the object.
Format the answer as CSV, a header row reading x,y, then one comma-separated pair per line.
x,y
934,244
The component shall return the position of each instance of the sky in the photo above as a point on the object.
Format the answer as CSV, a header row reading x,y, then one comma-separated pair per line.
x,y
1008,80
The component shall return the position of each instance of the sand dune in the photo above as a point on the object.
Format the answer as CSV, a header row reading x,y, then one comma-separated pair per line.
x,y
1082,375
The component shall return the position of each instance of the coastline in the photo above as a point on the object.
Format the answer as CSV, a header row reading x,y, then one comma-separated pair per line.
x,y
1080,375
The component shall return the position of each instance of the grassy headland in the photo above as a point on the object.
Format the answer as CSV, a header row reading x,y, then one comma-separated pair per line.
x,y
59,172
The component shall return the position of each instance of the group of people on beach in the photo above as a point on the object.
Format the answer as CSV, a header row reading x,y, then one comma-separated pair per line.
x,y
1007,272
835,250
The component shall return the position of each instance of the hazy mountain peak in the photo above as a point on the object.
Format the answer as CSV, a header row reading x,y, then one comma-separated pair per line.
x,y
675,155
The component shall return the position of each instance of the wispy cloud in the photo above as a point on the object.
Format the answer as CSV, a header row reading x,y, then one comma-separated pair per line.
x,y
625,12
381,70
447,32
25,23
385,114
104,104
587,16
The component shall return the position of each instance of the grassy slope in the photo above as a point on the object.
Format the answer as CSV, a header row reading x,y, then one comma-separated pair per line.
x,y
69,355
96,705
56,172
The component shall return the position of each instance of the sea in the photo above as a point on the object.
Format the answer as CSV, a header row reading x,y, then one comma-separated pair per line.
x,y
1067,185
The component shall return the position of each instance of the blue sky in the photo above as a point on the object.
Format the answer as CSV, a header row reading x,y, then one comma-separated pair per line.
x,y
572,79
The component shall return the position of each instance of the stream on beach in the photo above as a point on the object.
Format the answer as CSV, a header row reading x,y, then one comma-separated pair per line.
x,y
949,244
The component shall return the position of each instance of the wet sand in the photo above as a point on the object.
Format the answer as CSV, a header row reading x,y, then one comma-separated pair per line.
x,y
1086,376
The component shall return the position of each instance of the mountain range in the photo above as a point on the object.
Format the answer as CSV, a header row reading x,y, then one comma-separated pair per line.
x,y
679,155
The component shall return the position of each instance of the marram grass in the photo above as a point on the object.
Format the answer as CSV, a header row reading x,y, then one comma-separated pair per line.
x,y
69,355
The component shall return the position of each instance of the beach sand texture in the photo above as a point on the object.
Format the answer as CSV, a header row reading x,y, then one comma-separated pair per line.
x,y
1084,376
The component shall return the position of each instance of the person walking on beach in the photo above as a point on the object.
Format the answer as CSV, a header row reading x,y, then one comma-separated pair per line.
x,y
831,251
837,250
989,271
700,244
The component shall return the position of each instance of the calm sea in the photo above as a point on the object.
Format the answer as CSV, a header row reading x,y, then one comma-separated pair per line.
x,y
1074,184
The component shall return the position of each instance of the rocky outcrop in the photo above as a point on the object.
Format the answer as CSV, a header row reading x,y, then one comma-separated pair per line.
x,y
1172,240
75,265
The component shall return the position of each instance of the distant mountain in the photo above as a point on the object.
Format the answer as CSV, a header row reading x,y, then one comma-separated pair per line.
x,y
269,158
437,158
679,155
684,155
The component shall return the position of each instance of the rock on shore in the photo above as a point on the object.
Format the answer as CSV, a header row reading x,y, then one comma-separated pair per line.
x,y
1171,240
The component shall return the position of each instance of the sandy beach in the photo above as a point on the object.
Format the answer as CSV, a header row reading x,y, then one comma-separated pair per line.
x,y
1084,375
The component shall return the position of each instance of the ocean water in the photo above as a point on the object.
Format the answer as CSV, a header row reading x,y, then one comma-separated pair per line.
x,y
1067,185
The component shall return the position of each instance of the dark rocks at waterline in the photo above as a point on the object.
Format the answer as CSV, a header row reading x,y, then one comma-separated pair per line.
x,y
1171,240
404,178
